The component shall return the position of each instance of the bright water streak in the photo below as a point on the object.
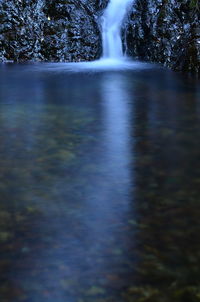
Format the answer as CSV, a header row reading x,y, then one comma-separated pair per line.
x,y
111,28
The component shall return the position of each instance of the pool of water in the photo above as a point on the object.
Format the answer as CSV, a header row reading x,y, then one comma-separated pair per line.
x,y
99,184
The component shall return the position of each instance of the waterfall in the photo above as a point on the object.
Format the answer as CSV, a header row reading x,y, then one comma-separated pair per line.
x,y
111,28
113,57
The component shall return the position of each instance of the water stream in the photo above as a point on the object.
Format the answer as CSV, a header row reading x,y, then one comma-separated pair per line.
x,y
111,28
113,57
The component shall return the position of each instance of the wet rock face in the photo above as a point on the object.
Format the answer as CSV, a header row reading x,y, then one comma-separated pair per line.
x,y
21,29
165,31
53,30
71,32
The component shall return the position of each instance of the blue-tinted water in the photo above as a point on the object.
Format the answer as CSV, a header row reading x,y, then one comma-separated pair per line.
x,y
99,184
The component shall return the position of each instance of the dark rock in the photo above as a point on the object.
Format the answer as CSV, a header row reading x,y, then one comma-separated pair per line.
x,y
54,30
165,31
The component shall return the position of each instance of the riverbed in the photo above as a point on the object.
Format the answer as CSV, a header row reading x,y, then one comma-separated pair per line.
x,y
99,184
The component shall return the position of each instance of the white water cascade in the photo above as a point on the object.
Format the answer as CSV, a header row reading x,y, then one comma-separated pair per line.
x,y
111,28
113,57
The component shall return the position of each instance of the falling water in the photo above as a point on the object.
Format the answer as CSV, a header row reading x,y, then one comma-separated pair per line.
x,y
113,57
111,28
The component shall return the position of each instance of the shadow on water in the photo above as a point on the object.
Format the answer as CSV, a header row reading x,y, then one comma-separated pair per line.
x,y
99,185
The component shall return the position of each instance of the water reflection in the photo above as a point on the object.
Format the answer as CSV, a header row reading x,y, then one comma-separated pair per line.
x,y
108,199
99,186
70,189
116,115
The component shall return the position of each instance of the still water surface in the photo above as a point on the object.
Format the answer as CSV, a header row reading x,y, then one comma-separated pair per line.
x,y
99,185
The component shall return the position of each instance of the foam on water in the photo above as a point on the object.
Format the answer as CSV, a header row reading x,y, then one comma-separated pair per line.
x,y
94,66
